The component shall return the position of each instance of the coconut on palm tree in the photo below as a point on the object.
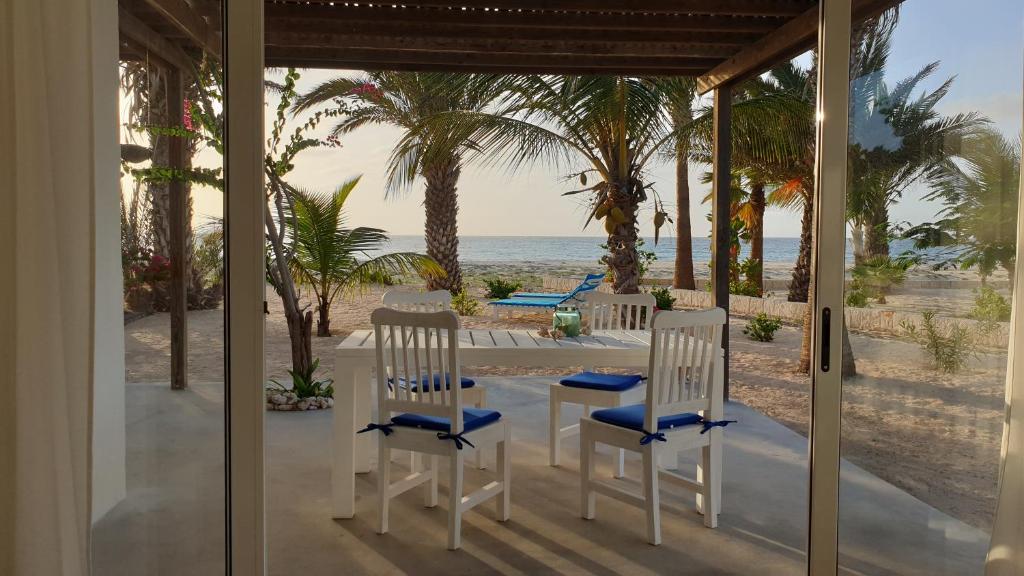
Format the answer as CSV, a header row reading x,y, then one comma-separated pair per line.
x,y
604,130
333,259
405,99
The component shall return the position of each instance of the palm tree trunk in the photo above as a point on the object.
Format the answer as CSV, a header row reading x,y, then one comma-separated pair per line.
x,y
857,238
323,322
441,203
800,286
683,275
622,255
757,202
876,233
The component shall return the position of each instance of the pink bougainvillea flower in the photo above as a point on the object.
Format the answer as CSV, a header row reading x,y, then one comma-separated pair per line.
x,y
187,120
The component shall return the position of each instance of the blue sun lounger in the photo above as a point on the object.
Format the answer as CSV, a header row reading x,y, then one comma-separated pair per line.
x,y
537,301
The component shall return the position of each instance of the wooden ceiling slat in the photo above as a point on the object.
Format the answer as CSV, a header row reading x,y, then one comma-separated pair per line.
x,y
185,19
147,40
539,47
787,8
513,18
409,67
495,33
462,60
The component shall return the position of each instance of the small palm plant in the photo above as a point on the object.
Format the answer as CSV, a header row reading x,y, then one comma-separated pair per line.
x,y
332,259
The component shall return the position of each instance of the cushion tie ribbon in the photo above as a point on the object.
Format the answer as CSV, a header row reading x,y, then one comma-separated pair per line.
x,y
459,439
385,428
649,437
709,424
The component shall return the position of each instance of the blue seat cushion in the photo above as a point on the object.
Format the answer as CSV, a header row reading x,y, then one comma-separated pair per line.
x,y
472,418
466,382
595,381
632,417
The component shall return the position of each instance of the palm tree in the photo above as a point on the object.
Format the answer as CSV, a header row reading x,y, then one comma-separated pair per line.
x,y
680,93
405,99
978,225
332,259
896,140
773,146
606,126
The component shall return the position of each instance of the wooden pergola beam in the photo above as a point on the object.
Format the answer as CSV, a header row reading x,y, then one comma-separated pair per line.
x,y
149,41
178,224
596,49
784,8
721,210
184,19
792,38
461,31
372,59
365,14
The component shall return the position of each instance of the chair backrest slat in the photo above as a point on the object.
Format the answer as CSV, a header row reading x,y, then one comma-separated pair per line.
x,y
618,311
685,366
434,301
415,350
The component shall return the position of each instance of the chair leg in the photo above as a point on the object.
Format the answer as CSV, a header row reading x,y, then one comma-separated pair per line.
x,y
554,427
383,485
587,496
711,481
652,502
481,463
430,496
455,499
504,501
620,463
415,462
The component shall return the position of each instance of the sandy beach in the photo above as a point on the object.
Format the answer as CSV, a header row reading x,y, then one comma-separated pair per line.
x,y
934,435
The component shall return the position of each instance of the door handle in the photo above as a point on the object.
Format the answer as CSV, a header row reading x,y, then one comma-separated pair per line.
x,y
826,338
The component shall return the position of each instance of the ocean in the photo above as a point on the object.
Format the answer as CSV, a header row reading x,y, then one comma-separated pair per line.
x,y
587,249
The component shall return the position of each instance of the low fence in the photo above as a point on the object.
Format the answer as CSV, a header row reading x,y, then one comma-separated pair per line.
x,y
869,320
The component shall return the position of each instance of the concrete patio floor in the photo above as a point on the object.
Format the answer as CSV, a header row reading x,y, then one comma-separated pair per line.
x,y
172,520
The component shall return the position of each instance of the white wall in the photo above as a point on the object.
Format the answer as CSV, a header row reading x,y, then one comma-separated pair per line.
x,y
108,452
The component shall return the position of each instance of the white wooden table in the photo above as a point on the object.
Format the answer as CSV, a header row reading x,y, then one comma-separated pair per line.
x,y
355,357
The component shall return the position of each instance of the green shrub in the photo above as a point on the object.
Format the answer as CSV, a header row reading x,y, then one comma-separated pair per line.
x,y
383,278
664,298
305,385
876,277
464,304
499,288
744,288
763,327
990,306
856,298
951,351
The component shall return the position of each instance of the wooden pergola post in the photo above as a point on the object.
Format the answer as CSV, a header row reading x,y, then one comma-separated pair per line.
x,y
178,232
721,201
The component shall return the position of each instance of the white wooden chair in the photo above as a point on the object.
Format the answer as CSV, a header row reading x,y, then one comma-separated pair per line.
x,y
418,346
683,411
601,312
435,301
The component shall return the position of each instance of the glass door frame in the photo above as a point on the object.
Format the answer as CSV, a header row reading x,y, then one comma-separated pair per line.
x,y
835,23
245,285
244,254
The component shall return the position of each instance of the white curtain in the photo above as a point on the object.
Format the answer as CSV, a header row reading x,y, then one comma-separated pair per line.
x,y
1006,554
48,172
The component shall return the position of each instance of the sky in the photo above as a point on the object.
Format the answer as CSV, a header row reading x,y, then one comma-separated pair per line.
x,y
982,46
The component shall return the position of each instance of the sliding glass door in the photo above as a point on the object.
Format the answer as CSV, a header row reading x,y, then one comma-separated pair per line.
x,y
913,296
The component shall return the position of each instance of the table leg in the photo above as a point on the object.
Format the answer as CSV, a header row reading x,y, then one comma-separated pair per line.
x,y
365,443
343,480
